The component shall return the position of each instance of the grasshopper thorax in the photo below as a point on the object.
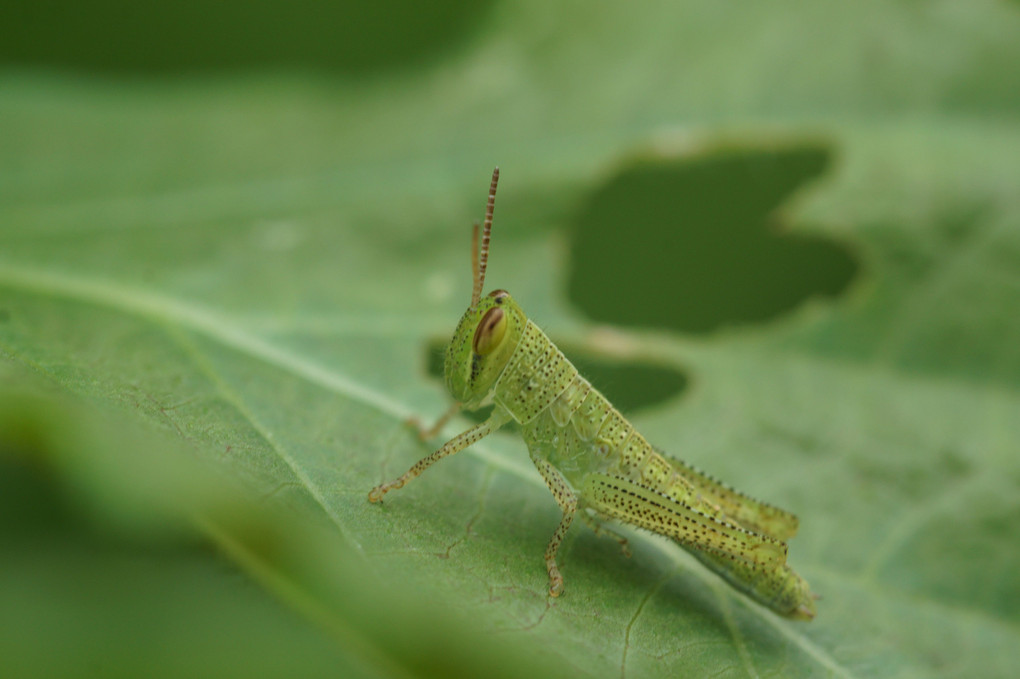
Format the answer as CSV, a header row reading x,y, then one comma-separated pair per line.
x,y
482,345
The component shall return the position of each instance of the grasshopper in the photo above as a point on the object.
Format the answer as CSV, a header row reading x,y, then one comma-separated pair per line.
x,y
594,462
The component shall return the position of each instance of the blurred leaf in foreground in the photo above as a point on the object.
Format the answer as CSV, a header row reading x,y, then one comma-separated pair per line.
x,y
112,566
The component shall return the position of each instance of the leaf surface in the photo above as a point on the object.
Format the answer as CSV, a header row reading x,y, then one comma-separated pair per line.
x,y
256,269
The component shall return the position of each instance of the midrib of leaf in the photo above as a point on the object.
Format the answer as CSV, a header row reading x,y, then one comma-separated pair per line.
x,y
170,312
217,327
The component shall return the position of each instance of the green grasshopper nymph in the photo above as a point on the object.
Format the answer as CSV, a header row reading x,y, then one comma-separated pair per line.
x,y
593,460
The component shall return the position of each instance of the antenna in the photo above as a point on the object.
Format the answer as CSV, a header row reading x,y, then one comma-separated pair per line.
x,y
474,259
480,255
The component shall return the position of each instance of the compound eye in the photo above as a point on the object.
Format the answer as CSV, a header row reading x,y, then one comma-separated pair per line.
x,y
490,331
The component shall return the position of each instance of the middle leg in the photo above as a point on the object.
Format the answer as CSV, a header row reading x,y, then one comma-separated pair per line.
x,y
567,500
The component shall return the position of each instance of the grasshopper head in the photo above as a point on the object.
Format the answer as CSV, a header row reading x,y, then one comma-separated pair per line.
x,y
489,330
481,347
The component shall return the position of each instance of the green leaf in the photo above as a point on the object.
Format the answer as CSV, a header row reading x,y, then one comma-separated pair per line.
x,y
236,281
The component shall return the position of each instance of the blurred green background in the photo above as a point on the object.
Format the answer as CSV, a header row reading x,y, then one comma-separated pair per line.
x,y
783,237
124,39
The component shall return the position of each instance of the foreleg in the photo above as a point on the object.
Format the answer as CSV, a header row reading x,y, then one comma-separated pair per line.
x,y
454,445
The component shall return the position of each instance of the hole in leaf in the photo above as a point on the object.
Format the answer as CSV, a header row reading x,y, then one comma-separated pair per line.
x,y
629,385
695,244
